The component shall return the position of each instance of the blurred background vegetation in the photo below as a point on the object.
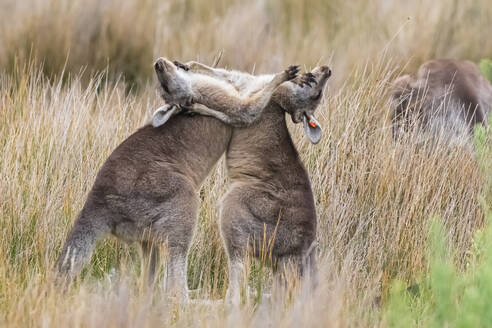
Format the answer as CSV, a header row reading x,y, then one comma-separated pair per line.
x,y
122,38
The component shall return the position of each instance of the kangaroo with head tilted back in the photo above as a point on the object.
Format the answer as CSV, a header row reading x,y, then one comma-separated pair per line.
x,y
269,198
146,191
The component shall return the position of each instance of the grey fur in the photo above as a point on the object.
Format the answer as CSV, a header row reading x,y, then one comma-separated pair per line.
x,y
147,191
446,98
269,199
234,106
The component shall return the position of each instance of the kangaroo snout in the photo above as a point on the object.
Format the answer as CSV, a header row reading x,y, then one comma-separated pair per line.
x,y
159,65
326,70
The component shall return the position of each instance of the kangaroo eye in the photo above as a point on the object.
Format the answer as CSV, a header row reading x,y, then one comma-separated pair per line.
x,y
165,87
317,96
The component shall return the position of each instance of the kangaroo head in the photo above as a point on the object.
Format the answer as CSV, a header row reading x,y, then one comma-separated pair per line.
x,y
174,84
306,97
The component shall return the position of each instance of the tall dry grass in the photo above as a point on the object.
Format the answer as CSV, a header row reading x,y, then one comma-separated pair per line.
x,y
374,197
125,36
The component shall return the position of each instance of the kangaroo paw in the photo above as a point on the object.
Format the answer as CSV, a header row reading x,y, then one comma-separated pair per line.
x,y
292,72
306,79
326,70
159,66
181,65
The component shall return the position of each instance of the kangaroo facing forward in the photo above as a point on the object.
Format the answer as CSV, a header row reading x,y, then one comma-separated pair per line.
x,y
269,199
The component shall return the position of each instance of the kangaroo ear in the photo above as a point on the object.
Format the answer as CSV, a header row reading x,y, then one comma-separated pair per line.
x,y
402,85
163,114
312,129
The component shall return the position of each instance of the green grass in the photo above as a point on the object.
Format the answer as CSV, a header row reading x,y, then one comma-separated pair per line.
x,y
485,66
448,296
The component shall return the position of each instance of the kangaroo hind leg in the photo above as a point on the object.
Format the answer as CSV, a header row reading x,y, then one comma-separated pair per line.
x,y
80,243
150,260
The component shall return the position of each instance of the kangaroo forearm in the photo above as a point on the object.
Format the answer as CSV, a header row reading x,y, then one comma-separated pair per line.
x,y
220,100
233,120
239,110
200,68
232,111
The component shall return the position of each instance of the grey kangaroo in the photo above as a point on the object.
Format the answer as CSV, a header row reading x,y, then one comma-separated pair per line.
x,y
146,191
269,199
446,96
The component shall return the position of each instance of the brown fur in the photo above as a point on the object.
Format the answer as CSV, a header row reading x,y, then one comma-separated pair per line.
x,y
147,191
270,199
446,96
184,87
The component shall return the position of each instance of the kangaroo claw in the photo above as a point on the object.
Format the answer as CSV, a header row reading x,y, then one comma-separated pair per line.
x,y
292,72
180,65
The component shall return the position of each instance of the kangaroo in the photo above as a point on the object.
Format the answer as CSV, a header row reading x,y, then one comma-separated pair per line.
x,y
446,96
270,198
147,191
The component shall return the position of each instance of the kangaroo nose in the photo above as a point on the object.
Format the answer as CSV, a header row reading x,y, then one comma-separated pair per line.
x,y
159,65
326,70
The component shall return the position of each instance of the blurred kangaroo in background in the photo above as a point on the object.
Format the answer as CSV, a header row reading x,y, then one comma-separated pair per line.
x,y
147,191
269,204
447,97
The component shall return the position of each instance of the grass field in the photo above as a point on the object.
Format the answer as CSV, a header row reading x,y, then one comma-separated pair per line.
x,y
403,231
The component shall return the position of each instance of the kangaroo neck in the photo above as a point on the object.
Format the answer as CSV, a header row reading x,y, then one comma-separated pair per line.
x,y
263,152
